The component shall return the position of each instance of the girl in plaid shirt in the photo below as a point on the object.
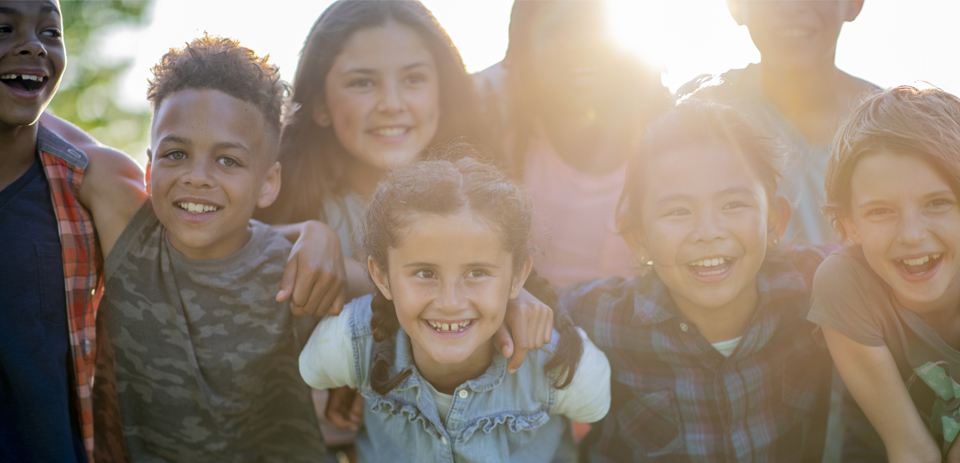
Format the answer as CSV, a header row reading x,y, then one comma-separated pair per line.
x,y
712,357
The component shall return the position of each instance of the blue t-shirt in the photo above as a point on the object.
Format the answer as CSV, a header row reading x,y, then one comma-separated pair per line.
x,y
37,408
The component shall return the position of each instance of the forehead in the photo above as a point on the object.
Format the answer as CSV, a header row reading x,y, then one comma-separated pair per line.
x,y
30,7
697,169
897,175
453,239
392,45
209,116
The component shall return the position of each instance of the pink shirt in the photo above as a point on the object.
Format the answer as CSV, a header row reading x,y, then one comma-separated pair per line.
x,y
576,212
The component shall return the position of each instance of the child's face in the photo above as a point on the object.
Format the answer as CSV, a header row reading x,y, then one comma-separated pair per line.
x,y
32,59
907,219
705,224
450,280
795,33
383,96
211,164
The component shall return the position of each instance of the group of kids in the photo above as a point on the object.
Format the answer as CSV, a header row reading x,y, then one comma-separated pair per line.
x,y
702,307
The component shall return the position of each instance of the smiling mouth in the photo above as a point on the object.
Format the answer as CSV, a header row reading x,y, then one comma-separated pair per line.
x,y
920,265
389,132
196,208
446,327
25,82
711,267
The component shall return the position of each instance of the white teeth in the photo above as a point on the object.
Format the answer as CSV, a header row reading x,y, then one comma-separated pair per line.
x,y
710,262
390,131
920,260
197,208
24,77
449,327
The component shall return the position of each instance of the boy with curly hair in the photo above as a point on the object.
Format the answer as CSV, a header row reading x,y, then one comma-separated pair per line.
x,y
205,358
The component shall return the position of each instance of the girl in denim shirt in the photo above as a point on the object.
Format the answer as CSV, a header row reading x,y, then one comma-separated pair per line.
x,y
448,244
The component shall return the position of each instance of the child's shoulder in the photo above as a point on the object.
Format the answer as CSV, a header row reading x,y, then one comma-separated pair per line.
x,y
842,267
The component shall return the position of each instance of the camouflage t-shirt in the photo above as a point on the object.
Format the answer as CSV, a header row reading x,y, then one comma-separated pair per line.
x,y
850,298
205,358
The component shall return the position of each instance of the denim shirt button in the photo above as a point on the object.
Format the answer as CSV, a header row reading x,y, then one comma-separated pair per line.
x,y
444,440
684,327
463,393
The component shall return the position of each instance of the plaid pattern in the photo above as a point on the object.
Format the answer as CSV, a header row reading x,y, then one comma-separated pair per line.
x,y
64,166
675,398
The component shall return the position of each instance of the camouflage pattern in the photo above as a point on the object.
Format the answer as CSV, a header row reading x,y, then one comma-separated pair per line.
x,y
205,359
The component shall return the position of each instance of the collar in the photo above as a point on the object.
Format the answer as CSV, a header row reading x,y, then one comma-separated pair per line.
x,y
50,142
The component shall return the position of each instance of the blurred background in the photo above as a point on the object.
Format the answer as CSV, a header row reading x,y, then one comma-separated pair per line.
x,y
112,44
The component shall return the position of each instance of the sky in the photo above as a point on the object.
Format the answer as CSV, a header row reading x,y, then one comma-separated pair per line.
x,y
892,42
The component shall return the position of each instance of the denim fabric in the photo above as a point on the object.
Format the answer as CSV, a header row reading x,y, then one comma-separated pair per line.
x,y
495,417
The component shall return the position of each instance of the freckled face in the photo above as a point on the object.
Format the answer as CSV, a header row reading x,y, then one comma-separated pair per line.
x,y
450,280
906,217
211,165
383,96
32,59
704,224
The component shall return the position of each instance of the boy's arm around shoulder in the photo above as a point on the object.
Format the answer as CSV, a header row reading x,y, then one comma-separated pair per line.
x,y
112,188
587,398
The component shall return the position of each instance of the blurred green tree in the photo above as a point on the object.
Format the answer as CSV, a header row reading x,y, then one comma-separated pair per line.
x,y
88,92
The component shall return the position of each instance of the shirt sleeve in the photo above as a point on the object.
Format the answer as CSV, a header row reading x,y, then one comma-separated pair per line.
x,y
587,398
849,298
326,362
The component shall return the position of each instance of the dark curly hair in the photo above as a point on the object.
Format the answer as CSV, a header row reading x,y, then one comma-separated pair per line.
x,y
313,159
221,64
446,187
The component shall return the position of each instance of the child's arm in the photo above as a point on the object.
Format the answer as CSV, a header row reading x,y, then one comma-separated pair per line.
x,y
871,375
314,278
326,362
587,398
112,188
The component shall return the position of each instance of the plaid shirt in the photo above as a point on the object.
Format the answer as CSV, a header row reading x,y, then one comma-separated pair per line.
x,y
64,166
675,398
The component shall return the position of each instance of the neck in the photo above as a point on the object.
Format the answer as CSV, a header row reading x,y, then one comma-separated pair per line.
x,y
18,146
446,377
363,178
813,99
722,323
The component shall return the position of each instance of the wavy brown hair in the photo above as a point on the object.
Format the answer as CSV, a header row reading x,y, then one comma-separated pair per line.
x,y
313,159
449,187
903,120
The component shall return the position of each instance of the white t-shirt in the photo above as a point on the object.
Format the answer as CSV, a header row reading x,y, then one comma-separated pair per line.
x,y
726,348
327,362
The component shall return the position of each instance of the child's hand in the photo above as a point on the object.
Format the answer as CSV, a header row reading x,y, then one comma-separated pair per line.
x,y
345,408
315,279
528,324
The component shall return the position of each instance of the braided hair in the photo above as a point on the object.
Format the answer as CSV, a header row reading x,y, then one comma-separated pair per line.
x,y
447,187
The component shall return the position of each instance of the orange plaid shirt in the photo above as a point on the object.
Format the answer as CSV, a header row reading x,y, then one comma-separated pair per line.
x,y
64,167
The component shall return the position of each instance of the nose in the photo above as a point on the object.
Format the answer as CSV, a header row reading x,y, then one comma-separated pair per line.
x,y
30,45
197,175
452,297
709,227
913,228
391,99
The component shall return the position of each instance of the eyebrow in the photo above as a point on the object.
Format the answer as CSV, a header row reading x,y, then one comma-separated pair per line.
x,y
726,192
878,202
10,11
469,264
374,71
219,146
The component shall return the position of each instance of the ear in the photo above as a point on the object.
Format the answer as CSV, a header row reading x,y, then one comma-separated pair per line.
x,y
147,177
636,243
271,186
521,278
777,220
736,11
321,116
852,9
379,278
850,229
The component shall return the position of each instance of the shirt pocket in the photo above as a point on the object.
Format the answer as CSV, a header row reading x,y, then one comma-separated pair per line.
x,y
50,266
650,423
